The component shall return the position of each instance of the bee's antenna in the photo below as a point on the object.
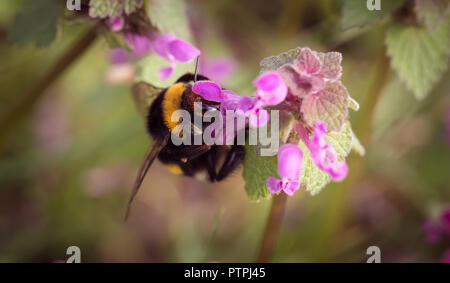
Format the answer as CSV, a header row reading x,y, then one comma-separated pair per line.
x,y
196,68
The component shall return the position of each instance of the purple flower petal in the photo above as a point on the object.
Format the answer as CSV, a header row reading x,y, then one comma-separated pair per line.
x,y
208,90
245,104
445,221
322,153
166,72
116,24
119,56
290,158
160,43
182,51
291,187
140,44
258,118
271,88
432,231
274,185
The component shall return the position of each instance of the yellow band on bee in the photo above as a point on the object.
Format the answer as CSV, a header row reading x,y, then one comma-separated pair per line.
x,y
174,168
172,102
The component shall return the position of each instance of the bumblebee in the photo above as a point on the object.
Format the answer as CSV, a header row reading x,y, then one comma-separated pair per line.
x,y
158,105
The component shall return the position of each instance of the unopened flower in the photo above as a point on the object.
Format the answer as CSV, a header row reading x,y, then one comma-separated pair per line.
x,y
116,24
290,158
167,46
322,153
310,71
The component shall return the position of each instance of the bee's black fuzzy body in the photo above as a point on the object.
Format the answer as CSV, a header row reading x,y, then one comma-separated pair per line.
x,y
217,160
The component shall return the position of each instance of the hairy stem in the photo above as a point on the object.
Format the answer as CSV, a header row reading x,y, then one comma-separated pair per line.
x,y
71,55
272,227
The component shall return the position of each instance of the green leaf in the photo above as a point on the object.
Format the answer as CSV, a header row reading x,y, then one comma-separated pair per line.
x,y
312,178
114,40
169,17
37,22
432,12
419,57
356,144
356,14
131,5
329,105
105,8
113,8
256,171
273,63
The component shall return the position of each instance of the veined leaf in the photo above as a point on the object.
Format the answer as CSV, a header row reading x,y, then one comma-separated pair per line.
x,y
356,14
432,12
329,105
256,171
418,56
113,8
312,178
36,22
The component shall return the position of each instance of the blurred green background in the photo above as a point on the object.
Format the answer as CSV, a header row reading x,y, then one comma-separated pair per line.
x,y
69,159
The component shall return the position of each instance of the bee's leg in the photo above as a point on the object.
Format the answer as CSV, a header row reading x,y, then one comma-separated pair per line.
x,y
234,157
182,153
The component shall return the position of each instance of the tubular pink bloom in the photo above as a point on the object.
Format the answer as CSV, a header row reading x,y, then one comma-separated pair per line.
x,y
271,89
173,49
167,46
208,90
116,24
322,153
290,159
140,44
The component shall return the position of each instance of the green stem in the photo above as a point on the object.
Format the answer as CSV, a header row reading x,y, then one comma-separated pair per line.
x,y
24,106
272,227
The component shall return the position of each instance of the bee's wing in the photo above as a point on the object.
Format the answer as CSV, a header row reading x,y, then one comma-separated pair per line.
x,y
149,158
144,94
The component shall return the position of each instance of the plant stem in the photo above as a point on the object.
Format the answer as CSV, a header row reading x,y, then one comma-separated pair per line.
x,y
272,227
71,55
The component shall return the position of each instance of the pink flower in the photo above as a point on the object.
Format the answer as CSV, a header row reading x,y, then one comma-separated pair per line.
x,y
218,69
290,159
167,46
323,154
116,24
433,231
445,221
271,90
310,71
174,50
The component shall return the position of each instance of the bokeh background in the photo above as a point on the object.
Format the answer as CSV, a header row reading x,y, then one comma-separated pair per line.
x,y
68,159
